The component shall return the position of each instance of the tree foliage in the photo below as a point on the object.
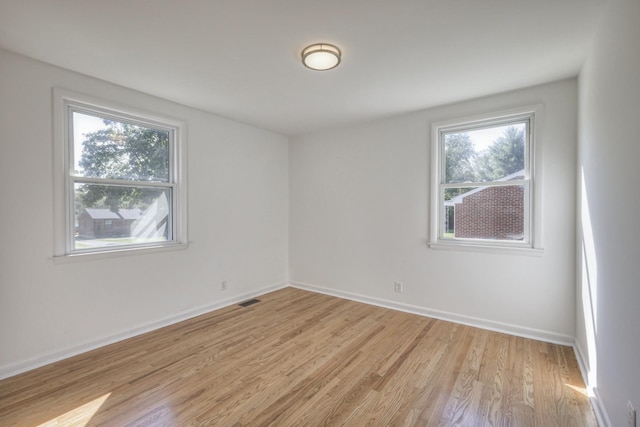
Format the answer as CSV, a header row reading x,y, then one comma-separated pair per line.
x,y
504,157
464,164
459,158
123,151
459,162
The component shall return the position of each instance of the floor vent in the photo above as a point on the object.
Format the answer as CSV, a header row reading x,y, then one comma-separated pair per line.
x,y
248,303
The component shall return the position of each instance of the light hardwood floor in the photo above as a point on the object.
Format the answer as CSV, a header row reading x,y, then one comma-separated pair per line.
x,y
305,359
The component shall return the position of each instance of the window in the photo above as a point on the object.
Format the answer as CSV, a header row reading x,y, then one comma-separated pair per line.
x,y
120,178
483,192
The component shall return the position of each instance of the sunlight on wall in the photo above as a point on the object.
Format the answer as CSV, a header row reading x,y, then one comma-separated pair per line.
x,y
589,284
79,416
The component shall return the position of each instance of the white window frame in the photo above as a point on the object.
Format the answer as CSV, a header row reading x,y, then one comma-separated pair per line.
x,y
532,242
65,103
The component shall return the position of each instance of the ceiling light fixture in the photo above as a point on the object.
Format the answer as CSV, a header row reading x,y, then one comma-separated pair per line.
x,y
321,56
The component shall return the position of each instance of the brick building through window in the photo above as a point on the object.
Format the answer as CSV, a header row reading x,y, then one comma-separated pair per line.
x,y
491,212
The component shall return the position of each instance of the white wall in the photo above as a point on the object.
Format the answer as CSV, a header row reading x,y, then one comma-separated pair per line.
x,y
238,224
608,323
359,213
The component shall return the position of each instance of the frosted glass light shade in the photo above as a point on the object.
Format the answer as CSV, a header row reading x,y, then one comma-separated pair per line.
x,y
321,56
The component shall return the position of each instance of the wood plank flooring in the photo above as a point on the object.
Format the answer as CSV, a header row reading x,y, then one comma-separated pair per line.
x,y
305,359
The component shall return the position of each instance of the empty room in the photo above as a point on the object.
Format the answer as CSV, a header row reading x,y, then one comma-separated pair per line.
x,y
304,213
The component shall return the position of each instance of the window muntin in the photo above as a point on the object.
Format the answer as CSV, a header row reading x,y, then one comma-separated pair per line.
x,y
123,180
484,182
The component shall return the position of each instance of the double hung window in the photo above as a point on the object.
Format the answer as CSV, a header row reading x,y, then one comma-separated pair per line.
x,y
123,181
483,170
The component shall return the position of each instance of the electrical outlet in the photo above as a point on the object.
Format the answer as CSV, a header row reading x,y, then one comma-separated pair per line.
x,y
397,287
631,415
223,286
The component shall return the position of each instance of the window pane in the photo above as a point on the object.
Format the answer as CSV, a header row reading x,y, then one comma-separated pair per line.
x,y
119,216
496,213
116,150
489,154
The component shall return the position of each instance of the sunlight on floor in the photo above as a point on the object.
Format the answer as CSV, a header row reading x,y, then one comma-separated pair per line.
x,y
79,416
581,390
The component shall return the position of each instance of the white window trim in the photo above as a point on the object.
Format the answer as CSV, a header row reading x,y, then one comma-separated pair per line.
x,y
535,245
63,102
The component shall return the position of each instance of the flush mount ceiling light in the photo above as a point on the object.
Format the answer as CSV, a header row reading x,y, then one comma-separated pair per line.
x,y
321,56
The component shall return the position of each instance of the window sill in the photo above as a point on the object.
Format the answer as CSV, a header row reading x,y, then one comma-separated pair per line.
x,y
536,252
116,253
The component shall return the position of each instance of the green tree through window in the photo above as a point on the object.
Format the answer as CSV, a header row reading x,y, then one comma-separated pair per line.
x,y
122,151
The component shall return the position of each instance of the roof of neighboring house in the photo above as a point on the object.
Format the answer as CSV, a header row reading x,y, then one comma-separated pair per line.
x,y
460,198
130,213
106,213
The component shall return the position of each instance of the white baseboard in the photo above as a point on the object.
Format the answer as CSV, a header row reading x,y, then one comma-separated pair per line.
x,y
582,363
594,395
599,409
521,331
55,356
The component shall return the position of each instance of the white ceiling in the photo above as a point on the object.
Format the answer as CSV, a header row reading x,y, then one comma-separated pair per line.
x,y
241,58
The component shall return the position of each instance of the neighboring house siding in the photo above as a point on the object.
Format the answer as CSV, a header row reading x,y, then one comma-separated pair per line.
x,y
493,213
102,222
85,225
